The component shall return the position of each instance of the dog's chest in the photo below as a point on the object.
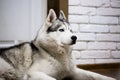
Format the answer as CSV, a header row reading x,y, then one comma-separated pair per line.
x,y
52,67
59,69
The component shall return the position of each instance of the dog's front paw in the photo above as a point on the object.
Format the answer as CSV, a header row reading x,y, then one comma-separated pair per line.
x,y
106,78
52,79
49,78
110,79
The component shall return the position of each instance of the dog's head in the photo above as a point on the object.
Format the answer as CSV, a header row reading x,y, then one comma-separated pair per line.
x,y
56,30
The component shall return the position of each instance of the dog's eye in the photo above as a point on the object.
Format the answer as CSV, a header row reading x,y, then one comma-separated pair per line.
x,y
61,30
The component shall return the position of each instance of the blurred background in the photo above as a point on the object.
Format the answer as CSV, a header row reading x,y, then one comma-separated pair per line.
x,y
95,22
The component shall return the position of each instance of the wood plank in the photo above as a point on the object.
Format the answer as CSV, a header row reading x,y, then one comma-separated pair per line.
x,y
100,66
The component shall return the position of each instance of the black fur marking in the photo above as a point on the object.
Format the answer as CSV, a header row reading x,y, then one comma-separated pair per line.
x,y
63,20
68,78
50,30
53,29
33,47
6,59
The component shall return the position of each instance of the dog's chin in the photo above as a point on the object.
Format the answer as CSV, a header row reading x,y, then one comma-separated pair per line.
x,y
73,42
69,44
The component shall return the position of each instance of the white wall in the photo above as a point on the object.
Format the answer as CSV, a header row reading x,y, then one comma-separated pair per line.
x,y
21,19
97,25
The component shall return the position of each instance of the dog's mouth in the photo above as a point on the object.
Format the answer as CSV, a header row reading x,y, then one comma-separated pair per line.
x,y
73,42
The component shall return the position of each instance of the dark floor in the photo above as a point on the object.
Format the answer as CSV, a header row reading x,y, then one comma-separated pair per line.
x,y
115,73
111,70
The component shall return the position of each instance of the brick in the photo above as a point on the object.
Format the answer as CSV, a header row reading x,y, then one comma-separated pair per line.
x,y
95,54
108,11
76,54
95,3
103,20
74,2
119,20
115,28
80,45
75,27
97,23
115,54
73,9
102,45
93,28
118,45
86,36
115,3
84,61
107,37
107,61
82,10
78,19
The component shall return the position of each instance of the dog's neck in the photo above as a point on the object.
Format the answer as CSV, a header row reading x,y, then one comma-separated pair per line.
x,y
54,50
61,54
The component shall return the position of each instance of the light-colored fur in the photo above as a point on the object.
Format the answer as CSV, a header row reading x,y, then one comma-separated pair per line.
x,y
52,60
55,61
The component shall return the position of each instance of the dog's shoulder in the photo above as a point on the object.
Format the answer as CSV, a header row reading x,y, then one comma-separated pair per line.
x,y
19,53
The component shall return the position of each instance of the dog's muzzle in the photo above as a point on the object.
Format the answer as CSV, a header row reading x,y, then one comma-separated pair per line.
x,y
74,38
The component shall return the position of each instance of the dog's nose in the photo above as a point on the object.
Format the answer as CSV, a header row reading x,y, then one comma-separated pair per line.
x,y
74,38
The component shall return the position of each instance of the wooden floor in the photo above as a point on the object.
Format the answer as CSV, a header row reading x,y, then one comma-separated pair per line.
x,y
111,70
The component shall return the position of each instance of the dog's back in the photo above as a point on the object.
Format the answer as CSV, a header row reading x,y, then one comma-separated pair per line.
x,y
15,60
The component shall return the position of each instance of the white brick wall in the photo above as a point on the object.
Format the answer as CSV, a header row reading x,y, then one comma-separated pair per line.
x,y
75,27
85,36
102,45
82,10
78,19
94,28
118,45
95,3
115,3
95,54
107,60
108,11
80,46
108,37
97,26
115,54
103,20
115,29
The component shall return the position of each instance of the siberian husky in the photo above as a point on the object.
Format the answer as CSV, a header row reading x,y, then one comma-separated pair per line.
x,y
47,57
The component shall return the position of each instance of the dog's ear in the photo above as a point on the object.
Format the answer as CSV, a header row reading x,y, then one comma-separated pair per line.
x,y
51,16
62,15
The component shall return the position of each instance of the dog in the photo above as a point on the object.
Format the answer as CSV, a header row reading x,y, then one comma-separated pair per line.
x,y
47,57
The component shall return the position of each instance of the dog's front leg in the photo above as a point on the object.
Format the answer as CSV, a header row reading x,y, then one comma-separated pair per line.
x,y
39,76
87,75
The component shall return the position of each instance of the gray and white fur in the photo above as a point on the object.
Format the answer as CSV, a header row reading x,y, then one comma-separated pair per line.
x,y
47,57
